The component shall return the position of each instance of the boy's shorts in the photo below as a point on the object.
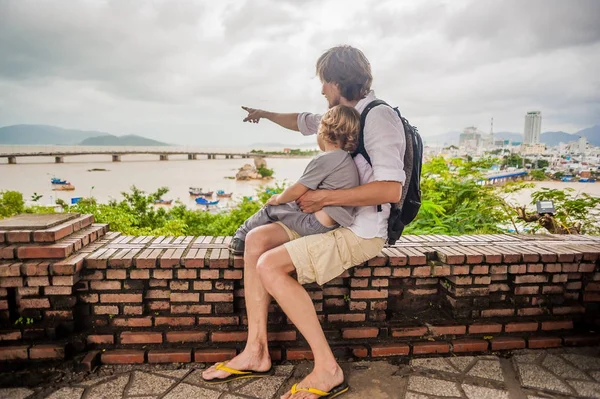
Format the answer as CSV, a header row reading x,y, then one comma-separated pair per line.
x,y
323,257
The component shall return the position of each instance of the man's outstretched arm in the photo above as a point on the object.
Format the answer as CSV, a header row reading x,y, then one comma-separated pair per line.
x,y
288,121
374,193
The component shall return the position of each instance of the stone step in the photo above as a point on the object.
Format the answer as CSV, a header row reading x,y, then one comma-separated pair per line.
x,y
60,249
43,229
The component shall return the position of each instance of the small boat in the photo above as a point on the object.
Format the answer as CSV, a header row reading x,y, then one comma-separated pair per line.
x,y
223,194
204,201
195,190
75,200
163,202
587,180
56,180
567,178
64,187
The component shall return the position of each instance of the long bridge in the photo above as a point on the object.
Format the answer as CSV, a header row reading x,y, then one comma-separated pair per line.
x,y
163,154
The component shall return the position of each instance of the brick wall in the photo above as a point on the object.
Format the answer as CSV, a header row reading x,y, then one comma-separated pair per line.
x,y
163,299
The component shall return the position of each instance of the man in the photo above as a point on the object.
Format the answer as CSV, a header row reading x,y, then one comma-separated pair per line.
x,y
346,76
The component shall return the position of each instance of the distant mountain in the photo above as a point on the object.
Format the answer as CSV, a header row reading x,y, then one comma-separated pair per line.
x,y
552,139
53,135
592,134
43,135
129,140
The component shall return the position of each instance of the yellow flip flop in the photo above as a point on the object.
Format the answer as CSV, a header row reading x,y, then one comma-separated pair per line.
x,y
236,374
334,393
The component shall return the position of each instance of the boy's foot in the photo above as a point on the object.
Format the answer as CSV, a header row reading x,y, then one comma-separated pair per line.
x,y
237,246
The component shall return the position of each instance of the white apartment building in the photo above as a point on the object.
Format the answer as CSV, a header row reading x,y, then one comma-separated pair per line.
x,y
533,127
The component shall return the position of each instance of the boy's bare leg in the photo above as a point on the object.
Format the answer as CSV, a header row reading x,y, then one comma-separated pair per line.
x,y
274,269
255,355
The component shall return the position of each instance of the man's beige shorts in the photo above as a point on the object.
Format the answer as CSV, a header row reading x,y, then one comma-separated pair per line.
x,y
323,257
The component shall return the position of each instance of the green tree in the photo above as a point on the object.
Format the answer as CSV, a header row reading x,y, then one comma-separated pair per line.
x,y
11,203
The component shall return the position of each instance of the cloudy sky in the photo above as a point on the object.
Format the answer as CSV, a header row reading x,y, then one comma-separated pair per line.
x,y
178,71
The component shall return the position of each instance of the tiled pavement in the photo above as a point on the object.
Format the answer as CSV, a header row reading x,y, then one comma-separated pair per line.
x,y
555,373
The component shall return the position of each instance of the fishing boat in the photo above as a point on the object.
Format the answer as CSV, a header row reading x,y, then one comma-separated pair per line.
x,y
587,180
56,180
163,202
204,201
223,194
195,190
64,187
75,200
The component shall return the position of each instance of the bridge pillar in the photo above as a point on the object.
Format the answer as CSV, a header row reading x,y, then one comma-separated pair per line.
x,y
164,157
211,156
116,158
59,159
12,160
192,157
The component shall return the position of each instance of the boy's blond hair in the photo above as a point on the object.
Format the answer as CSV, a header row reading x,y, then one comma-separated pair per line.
x,y
341,125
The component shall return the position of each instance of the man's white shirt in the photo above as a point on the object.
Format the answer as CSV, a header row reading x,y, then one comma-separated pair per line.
x,y
385,143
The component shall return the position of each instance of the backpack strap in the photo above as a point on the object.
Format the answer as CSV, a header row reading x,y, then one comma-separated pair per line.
x,y
361,135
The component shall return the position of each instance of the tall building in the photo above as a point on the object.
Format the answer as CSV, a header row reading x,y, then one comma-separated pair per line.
x,y
533,127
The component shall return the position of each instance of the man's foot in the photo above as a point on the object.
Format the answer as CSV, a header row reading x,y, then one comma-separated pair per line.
x,y
320,379
245,361
237,246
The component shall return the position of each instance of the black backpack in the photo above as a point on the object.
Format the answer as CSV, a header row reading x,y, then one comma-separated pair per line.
x,y
403,212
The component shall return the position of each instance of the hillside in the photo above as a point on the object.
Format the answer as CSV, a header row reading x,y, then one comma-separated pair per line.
x,y
43,135
129,140
53,135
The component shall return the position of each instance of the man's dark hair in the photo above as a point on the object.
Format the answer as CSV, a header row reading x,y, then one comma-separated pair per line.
x,y
349,68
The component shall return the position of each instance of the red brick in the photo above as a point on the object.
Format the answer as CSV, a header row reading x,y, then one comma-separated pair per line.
x,y
41,303
557,325
469,345
8,282
282,336
497,312
186,336
380,282
10,336
37,281
123,356
560,278
448,330
186,274
362,271
224,285
531,278
90,361
527,290
174,321
544,342
505,343
116,274
366,294
409,331
381,271
120,298
202,285
89,298
54,251
229,336
132,310
441,271
100,339
47,352
480,269
570,267
218,321
591,297
159,305
385,350
587,268
220,297
170,356
346,318
421,348
553,268
582,340
335,291
17,236
209,274
354,305
130,337
401,272
233,275
530,312
190,309
569,309
213,355
132,322
13,353
28,291
10,270
158,294
35,269
177,285
521,327
106,309
299,354
359,282
460,270
7,252
422,271
517,269
105,285
499,269
360,332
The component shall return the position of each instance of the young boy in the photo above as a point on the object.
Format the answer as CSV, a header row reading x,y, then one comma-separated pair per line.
x,y
333,169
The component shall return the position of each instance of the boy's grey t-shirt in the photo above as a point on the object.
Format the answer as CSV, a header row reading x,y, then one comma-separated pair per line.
x,y
333,170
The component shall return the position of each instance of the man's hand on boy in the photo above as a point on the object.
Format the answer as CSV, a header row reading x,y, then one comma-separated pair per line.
x,y
312,201
254,115
273,200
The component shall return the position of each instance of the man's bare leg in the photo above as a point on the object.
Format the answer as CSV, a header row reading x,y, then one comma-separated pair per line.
x,y
255,355
274,268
